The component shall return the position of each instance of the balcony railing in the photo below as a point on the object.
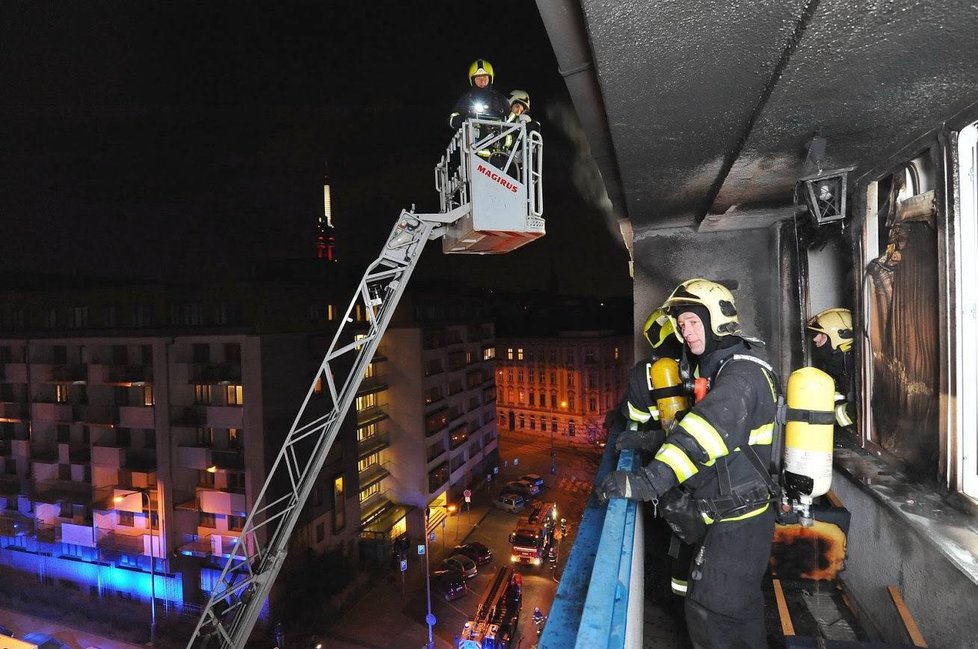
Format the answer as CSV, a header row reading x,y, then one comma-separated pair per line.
x,y
372,444
599,601
208,373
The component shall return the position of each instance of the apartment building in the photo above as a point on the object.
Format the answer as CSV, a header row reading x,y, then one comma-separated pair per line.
x,y
560,387
137,427
441,405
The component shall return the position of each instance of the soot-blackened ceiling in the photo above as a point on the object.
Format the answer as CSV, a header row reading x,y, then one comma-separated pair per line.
x,y
710,105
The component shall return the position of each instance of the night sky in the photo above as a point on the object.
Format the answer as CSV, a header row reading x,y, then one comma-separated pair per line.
x,y
186,140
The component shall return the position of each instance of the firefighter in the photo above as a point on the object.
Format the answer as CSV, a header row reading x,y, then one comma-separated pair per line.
x,y
667,557
519,110
832,353
482,99
718,452
639,407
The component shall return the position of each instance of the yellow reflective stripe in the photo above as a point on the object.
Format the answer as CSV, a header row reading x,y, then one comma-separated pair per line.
x,y
755,512
675,458
679,587
841,416
762,435
705,435
654,412
637,415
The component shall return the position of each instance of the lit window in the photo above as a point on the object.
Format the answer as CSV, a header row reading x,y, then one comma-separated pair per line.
x,y
519,353
509,353
235,395
61,393
202,394
148,395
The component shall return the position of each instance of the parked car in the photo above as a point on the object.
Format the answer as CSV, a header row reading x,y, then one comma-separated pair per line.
x,y
448,584
510,502
476,551
522,487
43,641
533,478
462,564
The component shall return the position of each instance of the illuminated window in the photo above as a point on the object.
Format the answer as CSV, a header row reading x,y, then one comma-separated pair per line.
x,y
519,353
339,506
207,520
369,491
368,461
366,402
202,394
236,523
370,372
318,389
61,393
235,395
366,432
330,312
127,519
148,395
234,438
617,353
509,353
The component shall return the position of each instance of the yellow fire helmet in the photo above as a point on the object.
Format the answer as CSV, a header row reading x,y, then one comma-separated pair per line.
x,y
836,324
480,66
717,300
658,327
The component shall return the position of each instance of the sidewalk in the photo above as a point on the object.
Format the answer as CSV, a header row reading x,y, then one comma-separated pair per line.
x,y
21,623
383,617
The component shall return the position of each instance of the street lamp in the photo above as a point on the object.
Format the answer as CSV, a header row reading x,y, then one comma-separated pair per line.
x,y
430,618
152,559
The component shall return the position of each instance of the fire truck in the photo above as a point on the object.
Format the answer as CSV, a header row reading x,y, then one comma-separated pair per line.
x,y
495,621
534,534
485,208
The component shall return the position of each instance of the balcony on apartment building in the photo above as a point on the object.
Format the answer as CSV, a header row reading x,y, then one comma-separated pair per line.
x,y
64,373
371,415
134,541
203,546
372,385
119,374
13,372
98,415
221,501
12,410
137,416
53,411
13,524
373,474
374,507
215,373
437,478
372,444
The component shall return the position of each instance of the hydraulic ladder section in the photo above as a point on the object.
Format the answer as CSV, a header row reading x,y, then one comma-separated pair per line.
x,y
494,624
258,554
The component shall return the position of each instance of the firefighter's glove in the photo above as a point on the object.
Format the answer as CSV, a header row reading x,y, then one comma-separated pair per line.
x,y
625,484
642,440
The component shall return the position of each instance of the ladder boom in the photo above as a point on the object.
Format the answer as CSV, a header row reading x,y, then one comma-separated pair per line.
x,y
259,552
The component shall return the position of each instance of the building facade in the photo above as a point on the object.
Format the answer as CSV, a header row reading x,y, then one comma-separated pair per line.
x,y
561,387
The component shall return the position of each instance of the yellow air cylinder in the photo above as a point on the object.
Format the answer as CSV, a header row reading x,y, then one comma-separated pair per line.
x,y
665,374
808,446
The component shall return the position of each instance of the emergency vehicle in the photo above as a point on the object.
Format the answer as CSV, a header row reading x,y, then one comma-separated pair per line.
x,y
534,534
495,621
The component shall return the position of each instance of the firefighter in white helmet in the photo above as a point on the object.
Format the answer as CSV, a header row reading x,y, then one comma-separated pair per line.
x,y
832,353
718,452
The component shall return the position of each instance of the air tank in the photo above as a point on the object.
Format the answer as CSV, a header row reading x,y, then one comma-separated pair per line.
x,y
665,374
809,436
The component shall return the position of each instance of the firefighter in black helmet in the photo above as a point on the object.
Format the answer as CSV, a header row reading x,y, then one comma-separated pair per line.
x,y
482,99
832,353
718,452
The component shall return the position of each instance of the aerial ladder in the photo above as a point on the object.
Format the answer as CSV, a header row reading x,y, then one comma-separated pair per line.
x,y
495,621
487,207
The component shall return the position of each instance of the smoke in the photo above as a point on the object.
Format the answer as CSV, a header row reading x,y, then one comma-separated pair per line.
x,y
584,170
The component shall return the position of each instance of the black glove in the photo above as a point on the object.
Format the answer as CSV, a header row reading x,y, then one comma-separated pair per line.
x,y
642,440
625,484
